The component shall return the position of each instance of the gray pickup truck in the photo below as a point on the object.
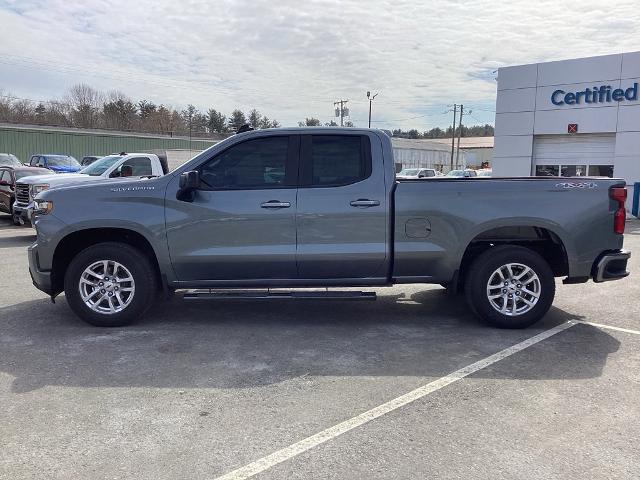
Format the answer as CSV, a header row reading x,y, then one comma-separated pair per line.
x,y
317,207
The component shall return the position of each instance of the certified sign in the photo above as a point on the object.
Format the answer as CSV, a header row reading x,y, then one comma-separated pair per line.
x,y
597,94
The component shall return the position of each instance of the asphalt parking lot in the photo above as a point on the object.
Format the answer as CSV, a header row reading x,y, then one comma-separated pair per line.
x,y
201,389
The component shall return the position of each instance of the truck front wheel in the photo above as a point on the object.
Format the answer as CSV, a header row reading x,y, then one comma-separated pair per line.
x,y
510,287
110,284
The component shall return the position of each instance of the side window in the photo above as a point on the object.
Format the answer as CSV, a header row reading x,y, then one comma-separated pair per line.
x,y
430,173
5,176
34,161
337,160
134,167
254,164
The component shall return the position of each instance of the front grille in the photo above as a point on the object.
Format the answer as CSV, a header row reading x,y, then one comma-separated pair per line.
x,y
22,193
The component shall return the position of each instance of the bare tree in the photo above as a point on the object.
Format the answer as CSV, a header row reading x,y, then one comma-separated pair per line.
x,y
5,107
23,111
85,103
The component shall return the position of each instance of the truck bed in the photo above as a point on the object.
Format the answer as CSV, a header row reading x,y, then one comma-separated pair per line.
x,y
434,216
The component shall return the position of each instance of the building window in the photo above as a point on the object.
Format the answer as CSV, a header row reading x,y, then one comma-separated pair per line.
x,y
601,171
573,170
547,170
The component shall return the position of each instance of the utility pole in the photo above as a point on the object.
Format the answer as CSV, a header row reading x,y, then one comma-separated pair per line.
x,y
371,99
341,111
453,133
460,134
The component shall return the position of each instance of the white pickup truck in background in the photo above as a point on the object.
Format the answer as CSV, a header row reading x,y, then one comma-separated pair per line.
x,y
121,165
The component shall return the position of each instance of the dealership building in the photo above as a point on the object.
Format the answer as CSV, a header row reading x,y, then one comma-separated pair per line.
x,y
569,118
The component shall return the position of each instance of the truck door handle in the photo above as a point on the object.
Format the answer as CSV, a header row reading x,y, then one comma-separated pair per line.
x,y
275,204
363,202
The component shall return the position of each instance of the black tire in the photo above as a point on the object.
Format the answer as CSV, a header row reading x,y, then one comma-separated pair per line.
x,y
133,260
481,272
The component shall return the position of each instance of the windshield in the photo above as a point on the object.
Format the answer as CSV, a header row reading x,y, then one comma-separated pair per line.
x,y
61,161
408,172
29,173
98,167
7,159
456,173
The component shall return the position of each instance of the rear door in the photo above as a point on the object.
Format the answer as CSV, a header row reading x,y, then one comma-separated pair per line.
x,y
240,225
342,208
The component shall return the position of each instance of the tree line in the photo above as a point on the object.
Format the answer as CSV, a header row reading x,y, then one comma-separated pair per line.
x,y
314,122
85,107
437,132
485,130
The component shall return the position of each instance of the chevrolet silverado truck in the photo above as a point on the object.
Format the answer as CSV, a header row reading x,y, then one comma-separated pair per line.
x,y
121,165
316,207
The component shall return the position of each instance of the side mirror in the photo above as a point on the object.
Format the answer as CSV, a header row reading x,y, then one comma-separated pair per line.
x,y
422,175
3,183
189,183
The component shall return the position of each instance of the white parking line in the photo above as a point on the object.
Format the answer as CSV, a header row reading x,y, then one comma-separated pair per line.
x,y
330,433
611,327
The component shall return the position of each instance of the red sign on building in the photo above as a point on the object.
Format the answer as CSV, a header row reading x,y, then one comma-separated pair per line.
x,y
572,128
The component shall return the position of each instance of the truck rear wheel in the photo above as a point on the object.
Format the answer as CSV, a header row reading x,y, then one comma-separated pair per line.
x,y
510,287
110,284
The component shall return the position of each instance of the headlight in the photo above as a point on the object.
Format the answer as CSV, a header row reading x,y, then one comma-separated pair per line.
x,y
36,189
42,207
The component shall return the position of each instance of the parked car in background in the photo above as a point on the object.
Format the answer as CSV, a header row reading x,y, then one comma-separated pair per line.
x,y
412,173
8,177
121,165
462,173
484,172
9,160
88,160
55,162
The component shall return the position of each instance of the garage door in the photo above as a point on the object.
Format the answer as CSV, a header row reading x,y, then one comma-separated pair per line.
x,y
574,155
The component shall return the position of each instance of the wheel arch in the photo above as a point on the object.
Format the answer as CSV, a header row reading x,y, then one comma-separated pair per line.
x,y
550,243
76,241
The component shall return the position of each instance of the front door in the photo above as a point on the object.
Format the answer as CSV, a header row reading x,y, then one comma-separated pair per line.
x,y
6,190
241,222
342,208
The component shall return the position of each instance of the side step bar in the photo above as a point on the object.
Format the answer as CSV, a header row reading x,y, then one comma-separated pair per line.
x,y
279,295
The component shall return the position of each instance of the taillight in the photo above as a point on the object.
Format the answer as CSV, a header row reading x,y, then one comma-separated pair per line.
x,y
619,194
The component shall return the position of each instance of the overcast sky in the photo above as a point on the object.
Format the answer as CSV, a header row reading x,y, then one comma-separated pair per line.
x,y
292,59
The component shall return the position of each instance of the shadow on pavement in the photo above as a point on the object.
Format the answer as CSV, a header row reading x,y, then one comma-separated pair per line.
x,y
236,344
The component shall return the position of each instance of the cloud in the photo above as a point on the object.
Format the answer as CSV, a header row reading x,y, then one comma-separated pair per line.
x,y
292,59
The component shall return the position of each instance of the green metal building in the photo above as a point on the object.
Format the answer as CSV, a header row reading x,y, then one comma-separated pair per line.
x,y
26,140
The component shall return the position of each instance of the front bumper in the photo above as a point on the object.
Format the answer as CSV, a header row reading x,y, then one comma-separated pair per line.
x,y
41,279
23,212
611,266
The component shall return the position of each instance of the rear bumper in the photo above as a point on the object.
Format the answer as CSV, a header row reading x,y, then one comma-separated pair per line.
x,y
41,279
611,266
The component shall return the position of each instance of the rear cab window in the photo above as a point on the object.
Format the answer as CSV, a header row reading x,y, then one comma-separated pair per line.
x,y
134,167
335,160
